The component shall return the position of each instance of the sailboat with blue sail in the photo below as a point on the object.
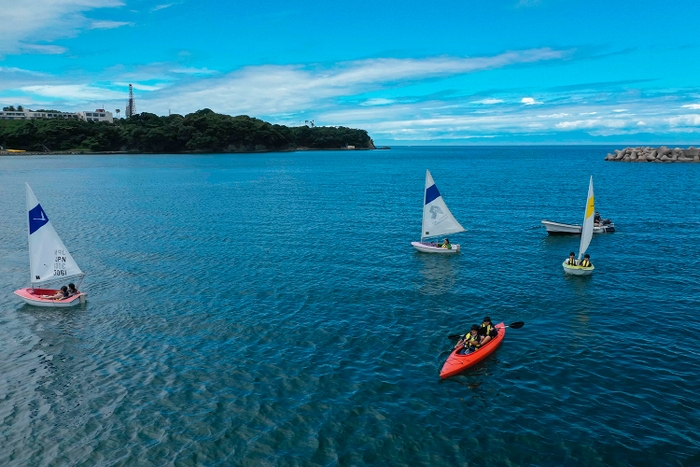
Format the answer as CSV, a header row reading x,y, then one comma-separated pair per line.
x,y
49,262
437,221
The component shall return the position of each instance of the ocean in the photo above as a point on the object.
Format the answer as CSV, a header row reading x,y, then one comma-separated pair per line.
x,y
269,310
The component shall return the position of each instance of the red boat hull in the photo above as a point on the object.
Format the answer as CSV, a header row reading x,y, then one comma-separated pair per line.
x,y
457,363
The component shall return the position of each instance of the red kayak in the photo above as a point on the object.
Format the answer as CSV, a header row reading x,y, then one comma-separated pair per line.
x,y
457,363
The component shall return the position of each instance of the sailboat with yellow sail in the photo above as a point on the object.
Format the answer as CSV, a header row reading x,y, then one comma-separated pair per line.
x,y
586,236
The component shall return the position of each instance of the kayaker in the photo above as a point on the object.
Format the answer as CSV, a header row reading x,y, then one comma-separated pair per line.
x,y
487,330
586,263
572,259
471,340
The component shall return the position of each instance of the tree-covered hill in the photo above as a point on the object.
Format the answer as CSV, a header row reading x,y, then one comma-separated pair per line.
x,y
202,131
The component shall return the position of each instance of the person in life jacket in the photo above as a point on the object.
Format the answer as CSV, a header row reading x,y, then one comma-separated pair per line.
x,y
487,330
572,259
446,244
586,263
471,340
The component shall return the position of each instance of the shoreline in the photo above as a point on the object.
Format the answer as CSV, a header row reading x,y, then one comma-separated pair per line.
x,y
100,153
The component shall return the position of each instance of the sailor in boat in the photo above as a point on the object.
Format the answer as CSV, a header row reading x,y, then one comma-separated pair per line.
x,y
72,290
471,340
586,263
59,295
445,244
596,219
571,261
487,330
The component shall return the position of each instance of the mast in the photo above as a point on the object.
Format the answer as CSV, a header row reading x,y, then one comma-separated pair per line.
x,y
587,225
425,194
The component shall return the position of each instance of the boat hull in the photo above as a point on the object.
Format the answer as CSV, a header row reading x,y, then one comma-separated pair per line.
x,y
433,248
577,270
457,363
558,228
33,297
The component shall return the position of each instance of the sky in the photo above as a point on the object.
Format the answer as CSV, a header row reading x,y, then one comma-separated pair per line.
x,y
455,72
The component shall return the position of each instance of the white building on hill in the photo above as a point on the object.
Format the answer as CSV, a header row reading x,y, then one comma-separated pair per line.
x,y
99,115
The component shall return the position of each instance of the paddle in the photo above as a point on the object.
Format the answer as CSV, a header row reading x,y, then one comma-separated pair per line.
x,y
515,325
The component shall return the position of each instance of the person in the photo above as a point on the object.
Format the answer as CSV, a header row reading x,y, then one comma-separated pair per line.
x,y
572,259
596,219
72,290
586,263
59,295
487,330
471,340
446,244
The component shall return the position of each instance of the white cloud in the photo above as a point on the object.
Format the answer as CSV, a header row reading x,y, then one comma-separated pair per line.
x,y
691,106
41,49
27,25
274,89
377,101
73,92
685,121
194,71
559,115
162,7
591,123
108,24
529,101
489,101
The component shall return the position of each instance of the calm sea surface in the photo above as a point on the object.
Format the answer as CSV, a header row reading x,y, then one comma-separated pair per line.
x,y
268,309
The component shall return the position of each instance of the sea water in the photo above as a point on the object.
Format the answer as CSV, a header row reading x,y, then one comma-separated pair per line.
x,y
268,309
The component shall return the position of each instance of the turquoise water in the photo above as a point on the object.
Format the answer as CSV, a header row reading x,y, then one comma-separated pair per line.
x,y
268,309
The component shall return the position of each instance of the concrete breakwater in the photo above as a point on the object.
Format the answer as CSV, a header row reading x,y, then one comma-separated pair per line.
x,y
649,154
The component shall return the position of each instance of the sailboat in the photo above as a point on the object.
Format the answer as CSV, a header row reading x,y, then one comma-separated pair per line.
x,y
437,221
586,236
49,260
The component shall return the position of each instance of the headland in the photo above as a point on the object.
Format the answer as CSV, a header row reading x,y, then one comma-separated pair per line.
x,y
203,131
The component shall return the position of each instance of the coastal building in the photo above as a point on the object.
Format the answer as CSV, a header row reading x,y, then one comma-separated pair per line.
x,y
99,115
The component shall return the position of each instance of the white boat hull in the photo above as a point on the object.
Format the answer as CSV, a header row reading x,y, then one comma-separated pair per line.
x,y
433,248
558,228
33,297
577,270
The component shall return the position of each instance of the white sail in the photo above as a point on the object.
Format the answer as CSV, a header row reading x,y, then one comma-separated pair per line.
x,y
588,218
49,259
437,219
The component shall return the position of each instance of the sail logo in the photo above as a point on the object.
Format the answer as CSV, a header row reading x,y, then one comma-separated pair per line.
x,y
590,208
435,211
37,219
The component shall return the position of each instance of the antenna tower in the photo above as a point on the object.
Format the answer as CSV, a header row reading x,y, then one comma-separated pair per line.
x,y
130,106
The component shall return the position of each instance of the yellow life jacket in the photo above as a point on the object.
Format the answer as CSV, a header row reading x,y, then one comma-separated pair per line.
x,y
488,328
471,341
585,263
447,246
571,262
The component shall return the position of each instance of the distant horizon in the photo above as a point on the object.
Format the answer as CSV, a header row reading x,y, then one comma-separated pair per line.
x,y
507,71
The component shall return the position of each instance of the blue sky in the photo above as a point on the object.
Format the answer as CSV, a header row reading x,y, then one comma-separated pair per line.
x,y
454,72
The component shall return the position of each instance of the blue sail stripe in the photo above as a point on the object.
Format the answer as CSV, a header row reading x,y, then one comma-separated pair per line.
x,y
431,194
37,219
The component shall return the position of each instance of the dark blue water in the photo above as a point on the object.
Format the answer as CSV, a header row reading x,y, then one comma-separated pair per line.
x,y
269,310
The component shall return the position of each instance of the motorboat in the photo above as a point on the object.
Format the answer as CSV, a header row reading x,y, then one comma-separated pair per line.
x,y
559,228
